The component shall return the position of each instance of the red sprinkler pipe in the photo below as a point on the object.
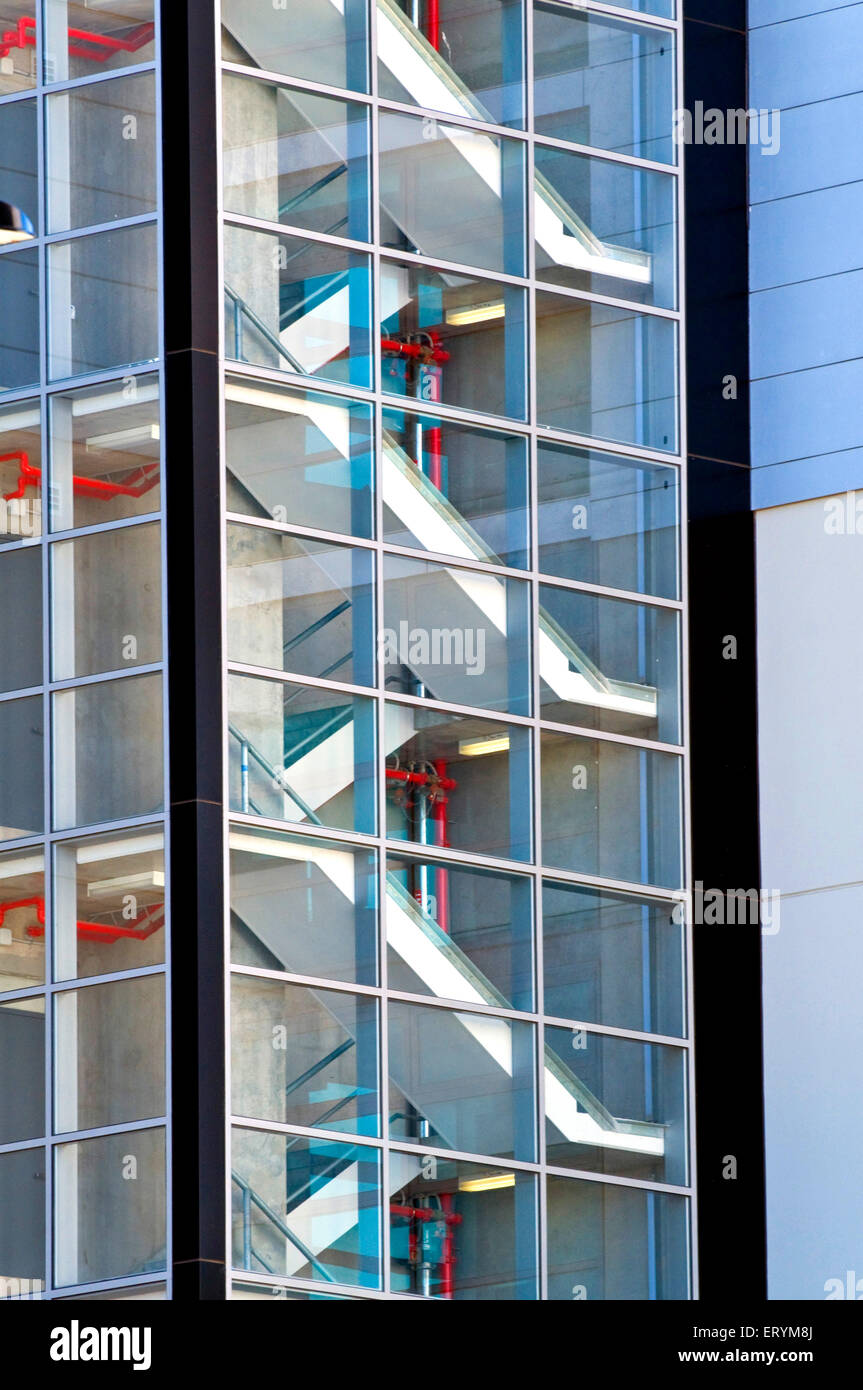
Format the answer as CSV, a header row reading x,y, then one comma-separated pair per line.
x,y
143,480
432,24
439,815
150,920
447,1278
416,350
24,36
420,779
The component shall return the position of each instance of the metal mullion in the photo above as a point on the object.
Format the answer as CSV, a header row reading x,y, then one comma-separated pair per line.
x,y
337,1136
80,832
238,668
403,108
104,677
617,12
141,219
613,885
655,166
76,982
581,586
607,1030
313,1286
64,386
355,838
618,1180
522,1165
92,79
27,693
606,736
282,79
292,528
260,972
67,1292
549,434
439,265
98,528
259,224
80,1136
629,306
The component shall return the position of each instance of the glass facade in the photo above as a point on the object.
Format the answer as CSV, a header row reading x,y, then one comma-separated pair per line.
x,y
450,628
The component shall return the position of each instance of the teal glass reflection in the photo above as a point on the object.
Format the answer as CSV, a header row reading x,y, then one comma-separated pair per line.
x,y
299,457
300,605
316,40
303,754
609,664
304,1056
604,82
613,1105
300,306
305,1207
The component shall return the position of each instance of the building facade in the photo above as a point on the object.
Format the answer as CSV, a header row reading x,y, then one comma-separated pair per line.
x,y
343,722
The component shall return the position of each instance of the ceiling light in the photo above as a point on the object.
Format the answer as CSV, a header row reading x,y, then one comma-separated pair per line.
x,y
476,313
131,883
120,439
476,747
15,225
492,1183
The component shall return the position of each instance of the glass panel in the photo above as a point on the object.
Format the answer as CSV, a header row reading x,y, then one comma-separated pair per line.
x,y
613,959
300,605
105,453
304,1056
453,489
616,1243
481,657
109,904
22,1223
101,152
306,1207
300,457
91,724
22,920
81,41
139,1294
453,338
462,1081
19,337
109,1207
22,1066
463,57
301,754
611,810
106,592
109,1050
20,471
104,301
604,82
21,619
472,777
608,520
17,45
615,1106
18,170
478,924
310,39
267,1292
462,1230
302,905
22,746
609,664
429,170
606,372
302,306
296,157
606,227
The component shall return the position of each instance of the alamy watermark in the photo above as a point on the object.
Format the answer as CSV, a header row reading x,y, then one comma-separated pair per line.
x,y
730,907
434,646
733,127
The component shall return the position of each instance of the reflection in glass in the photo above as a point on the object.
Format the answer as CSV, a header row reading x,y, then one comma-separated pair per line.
x,y
455,780
18,26
82,41
303,754
110,1205
299,457
306,1207
22,920
19,335
461,1081
303,1056
105,453
454,489
302,905
104,301
109,1050
459,933
18,171
21,619
106,601
453,338
452,194
301,306
611,810
323,42
295,157
22,1222
454,635
300,605
616,1243
109,903
101,152
22,1067
615,230
20,471
603,82
615,1106
614,959
609,664
22,739
606,372
608,520
94,784
462,1230
462,57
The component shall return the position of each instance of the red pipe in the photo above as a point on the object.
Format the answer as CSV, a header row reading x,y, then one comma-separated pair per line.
x,y
421,779
152,918
447,1278
24,35
417,350
439,815
432,24
31,476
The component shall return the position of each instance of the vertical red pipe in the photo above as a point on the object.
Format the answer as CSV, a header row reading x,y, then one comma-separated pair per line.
x,y
432,24
442,838
447,1280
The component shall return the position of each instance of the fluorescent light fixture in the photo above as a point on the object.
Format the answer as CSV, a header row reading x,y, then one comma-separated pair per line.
x,y
476,747
120,439
492,1183
15,225
131,883
476,313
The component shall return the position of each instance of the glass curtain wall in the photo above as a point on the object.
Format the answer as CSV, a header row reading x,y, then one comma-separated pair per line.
x,y
82,840
460,1048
